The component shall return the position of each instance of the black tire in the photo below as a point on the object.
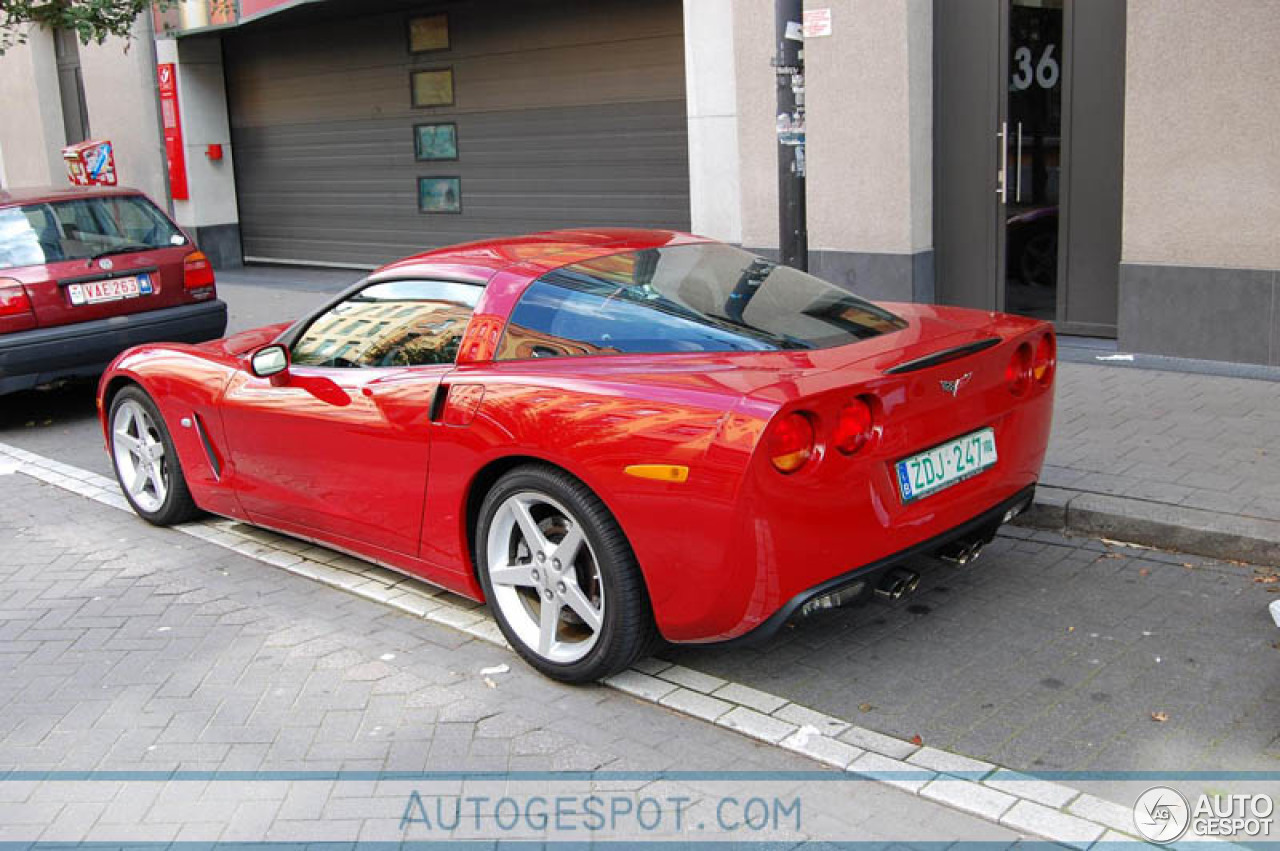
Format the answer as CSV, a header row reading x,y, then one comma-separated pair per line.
x,y
628,629
177,506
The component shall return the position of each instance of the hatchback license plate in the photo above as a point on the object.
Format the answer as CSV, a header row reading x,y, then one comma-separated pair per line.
x,y
115,289
943,466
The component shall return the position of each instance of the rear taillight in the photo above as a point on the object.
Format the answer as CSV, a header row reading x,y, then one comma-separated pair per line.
x,y
197,271
854,427
16,313
1046,359
790,442
14,301
1018,374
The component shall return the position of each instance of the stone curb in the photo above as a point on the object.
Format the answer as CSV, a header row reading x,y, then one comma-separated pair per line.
x,y
1156,524
1033,806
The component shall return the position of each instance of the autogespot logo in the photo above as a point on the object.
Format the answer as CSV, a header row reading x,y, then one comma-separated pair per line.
x,y
1161,815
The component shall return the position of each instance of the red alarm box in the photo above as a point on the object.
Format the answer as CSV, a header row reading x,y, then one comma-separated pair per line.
x,y
90,164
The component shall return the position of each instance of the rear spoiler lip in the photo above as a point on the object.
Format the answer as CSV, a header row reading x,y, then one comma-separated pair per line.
x,y
943,356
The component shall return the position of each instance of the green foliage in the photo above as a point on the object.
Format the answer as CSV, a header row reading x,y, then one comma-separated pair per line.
x,y
92,20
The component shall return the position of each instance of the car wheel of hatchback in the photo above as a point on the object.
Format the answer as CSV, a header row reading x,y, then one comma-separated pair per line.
x,y
560,577
145,462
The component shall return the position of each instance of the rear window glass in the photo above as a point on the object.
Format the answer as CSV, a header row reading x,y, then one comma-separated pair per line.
x,y
82,228
688,298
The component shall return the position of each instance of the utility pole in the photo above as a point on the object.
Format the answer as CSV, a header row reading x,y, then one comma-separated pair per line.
x,y
788,64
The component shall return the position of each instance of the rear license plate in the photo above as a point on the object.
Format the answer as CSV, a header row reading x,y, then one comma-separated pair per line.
x,y
943,466
96,292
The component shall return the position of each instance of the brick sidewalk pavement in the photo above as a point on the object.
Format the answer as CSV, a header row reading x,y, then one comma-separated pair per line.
x,y
130,648
1200,441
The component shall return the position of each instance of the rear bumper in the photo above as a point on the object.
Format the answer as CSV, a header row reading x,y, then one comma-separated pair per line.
x,y
83,350
986,522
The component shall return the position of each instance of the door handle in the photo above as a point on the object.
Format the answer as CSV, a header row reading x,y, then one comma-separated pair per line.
x,y
1002,185
437,402
1017,177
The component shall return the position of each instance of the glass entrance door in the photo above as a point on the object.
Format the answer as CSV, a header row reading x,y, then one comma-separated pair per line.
x,y
1031,157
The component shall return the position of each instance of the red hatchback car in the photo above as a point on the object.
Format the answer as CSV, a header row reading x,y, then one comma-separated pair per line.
x,y
86,273
608,435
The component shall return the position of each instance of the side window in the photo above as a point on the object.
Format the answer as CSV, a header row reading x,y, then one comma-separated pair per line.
x,y
397,323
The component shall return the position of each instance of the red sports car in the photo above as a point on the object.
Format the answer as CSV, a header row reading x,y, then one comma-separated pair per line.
x,y
609,435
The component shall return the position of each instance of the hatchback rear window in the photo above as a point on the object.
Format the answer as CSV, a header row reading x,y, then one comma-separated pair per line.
x,y
82,228
688,298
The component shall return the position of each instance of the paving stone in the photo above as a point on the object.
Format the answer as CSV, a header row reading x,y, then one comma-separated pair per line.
x,y
969,796
641,685
810,742
794,713
756,724
909,778
878,742
1051,824
1053,795
950,763
691,679
751,698
696,704
651,666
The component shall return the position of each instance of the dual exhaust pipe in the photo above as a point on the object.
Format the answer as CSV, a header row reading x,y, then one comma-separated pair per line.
x,y
898,583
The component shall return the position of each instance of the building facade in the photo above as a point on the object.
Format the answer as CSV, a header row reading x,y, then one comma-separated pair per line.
x,y
1106,164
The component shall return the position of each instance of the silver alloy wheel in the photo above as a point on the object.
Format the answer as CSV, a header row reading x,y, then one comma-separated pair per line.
x,y
139,455
545,577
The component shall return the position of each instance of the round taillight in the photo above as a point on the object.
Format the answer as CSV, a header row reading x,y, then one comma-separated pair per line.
x,y
790,442
1018,373
853,429
1046,359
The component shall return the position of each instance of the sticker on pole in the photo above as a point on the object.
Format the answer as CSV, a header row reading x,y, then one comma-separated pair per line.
x,y
817,23
794,31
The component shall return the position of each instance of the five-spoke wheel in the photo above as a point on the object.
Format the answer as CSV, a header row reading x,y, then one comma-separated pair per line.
x,y
145,462
559,576
139,455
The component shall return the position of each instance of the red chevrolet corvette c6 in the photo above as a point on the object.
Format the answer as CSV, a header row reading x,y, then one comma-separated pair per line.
x,y
608,435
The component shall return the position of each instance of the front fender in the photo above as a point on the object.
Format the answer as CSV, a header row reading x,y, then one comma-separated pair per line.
x,y
186,384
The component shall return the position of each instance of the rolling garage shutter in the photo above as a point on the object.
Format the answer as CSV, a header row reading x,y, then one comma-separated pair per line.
x,y
568,114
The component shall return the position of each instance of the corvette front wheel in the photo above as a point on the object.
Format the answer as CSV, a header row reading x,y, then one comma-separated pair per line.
x,y
560,578
145,462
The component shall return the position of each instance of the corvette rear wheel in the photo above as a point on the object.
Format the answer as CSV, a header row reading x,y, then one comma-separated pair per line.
x,y
145,462
560,577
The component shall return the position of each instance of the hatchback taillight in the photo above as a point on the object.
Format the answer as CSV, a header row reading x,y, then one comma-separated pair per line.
x,y
1018,374
790,442
197,271
854,427
16,313
1046,359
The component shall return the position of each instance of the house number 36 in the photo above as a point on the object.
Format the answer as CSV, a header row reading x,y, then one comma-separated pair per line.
x,y
1045,72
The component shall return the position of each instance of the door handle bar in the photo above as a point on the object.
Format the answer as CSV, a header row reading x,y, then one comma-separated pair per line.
x,y
1002,184
1017,177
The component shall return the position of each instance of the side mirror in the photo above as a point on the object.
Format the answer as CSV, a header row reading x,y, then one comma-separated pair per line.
x,y
269,360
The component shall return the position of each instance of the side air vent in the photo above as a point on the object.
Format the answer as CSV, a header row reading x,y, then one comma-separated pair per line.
x,y
214,461
943,356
